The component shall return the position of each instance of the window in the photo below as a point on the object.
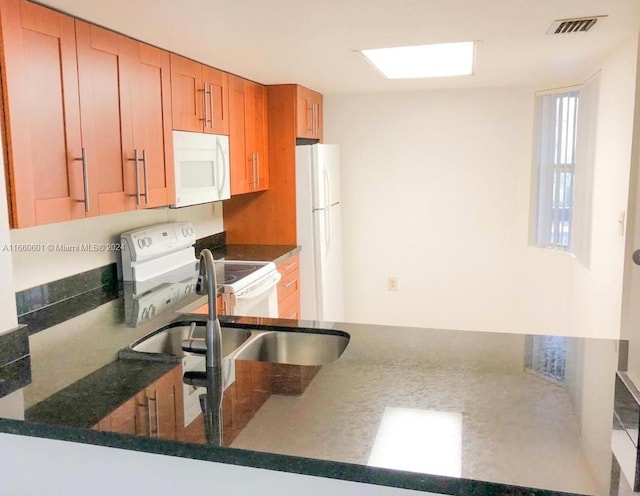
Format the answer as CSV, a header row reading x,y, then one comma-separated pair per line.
x,y
565,135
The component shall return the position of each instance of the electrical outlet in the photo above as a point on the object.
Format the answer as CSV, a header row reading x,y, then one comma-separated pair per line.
x,y
392,284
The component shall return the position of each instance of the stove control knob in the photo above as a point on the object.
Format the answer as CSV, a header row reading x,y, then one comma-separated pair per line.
x,y
149,241
185,232
152,311
145,314
142,242
191,231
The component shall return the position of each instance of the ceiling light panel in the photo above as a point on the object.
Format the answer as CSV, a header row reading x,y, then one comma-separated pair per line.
x,y
424,61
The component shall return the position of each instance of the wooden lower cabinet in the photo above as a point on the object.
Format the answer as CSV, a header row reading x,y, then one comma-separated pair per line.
x,y
240,402
285,378
289,288
150,413
204,309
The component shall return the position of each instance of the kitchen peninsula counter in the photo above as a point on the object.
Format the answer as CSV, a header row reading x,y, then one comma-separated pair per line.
x,y
509,428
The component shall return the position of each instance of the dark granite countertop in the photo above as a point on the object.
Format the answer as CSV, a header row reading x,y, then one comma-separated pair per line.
x,y
432,410
270,253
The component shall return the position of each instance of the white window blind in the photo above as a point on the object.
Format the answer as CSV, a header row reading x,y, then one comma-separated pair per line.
x,y
565,149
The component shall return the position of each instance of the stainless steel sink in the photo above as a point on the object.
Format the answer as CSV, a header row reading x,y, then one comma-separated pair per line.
x,y
165,343
296,348
239,343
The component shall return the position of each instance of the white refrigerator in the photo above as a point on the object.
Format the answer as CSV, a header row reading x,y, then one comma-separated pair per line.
x,y
318,219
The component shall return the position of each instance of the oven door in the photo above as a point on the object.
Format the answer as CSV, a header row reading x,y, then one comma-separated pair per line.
x,y
201,168
260,299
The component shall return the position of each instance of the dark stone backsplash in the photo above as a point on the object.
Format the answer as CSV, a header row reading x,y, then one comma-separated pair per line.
x,y
54,302
15,364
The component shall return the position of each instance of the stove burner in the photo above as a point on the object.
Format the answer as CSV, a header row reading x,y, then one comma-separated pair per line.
x,y
229,273
228,279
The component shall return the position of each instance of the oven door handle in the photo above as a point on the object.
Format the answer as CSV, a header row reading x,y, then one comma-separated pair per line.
x,y
259,288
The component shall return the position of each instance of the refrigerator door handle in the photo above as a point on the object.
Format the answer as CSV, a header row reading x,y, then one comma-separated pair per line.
x,y
327,218
327,187
327,202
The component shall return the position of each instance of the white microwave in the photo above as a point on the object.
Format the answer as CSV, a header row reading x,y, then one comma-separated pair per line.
x,y
202,168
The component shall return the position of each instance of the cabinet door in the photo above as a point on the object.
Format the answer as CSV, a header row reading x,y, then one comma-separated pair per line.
x,y
289,288
216,84
260,384
256,115
123,418
242,162
162,407
100,66
150,90
309,113
42,114
156,409
187,94
248,136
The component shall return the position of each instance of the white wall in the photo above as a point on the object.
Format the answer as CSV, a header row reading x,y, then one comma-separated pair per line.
x,y
436,191
34,268
597,291
631,289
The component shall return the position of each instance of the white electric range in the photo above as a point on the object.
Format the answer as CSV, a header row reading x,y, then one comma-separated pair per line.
x,y
160,269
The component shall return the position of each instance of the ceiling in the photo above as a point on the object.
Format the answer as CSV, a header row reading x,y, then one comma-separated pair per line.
x,y
314,42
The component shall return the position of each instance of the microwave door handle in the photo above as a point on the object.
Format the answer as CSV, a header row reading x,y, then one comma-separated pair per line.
x,y
260,289
221,154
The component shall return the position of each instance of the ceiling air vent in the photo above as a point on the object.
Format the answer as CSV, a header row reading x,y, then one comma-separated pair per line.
x,y
577,25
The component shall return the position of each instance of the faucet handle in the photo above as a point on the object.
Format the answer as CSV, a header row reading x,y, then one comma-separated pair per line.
x,y
201,285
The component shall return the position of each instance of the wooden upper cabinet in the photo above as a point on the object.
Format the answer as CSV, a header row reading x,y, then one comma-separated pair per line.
x,y
248,136
258,142
309,113
187,94
42,114
148,117
200,97
79,100
216,84
100,69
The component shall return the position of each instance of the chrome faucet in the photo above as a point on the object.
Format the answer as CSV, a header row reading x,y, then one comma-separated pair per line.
x,y
211,378
207,285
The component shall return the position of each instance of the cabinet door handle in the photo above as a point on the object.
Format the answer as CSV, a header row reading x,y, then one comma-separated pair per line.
x,y
257,169
85,179
313,119
211,104
290,283
146,176
253,170
153,415
204,103
135,160
287,268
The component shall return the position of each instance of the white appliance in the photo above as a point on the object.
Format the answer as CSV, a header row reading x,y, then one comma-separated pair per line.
x,y
319,228
249,288
201,164
154,250
160,263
